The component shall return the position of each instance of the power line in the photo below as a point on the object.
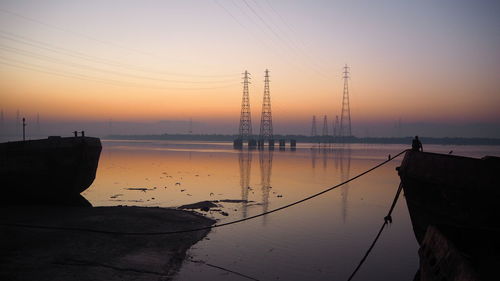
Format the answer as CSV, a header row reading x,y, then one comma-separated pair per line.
x,y
43,69
291,46
58,50
73,33
82,66
303,48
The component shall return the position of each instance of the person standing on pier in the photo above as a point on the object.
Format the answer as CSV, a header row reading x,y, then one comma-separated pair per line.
x,y
416,145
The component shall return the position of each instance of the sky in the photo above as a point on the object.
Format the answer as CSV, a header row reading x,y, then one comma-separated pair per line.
x,y
417,67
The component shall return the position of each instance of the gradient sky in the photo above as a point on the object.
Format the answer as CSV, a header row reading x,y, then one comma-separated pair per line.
x,y
433,63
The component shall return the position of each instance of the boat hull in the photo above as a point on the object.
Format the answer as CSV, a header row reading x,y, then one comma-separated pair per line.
x,y
454,210
53,169
451,191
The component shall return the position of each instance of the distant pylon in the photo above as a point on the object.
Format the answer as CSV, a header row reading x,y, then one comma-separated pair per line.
x,y
313,127
336,127
325,126
345,118
245,129
266,119
190,129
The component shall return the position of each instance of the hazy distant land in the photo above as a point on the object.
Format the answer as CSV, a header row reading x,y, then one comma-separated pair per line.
x,y
317,139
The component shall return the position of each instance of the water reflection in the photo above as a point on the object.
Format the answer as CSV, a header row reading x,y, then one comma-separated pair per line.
x,y
245,162
266,165
341,157
344,159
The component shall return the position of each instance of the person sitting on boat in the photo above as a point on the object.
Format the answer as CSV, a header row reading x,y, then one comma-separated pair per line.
x,y
416,145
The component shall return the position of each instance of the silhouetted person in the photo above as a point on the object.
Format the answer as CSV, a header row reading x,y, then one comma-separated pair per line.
x,y
416,145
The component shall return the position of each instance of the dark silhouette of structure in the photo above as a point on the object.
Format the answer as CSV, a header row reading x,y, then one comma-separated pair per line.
x,y
266,120
325,126
245,128
345,117
313,127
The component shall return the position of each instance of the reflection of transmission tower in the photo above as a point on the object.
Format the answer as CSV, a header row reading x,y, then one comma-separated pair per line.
x,y
313,127
345,118
245,161
266,165
345,168
245,129
266,121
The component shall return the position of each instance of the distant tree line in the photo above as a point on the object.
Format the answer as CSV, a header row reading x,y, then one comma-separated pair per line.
x,y
316,139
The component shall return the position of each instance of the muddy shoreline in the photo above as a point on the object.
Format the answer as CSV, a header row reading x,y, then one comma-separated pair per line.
x,y
52,254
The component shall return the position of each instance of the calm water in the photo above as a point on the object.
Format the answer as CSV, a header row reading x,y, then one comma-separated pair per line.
x,y
321,239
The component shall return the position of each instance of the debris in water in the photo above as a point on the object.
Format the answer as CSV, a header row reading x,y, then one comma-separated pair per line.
x,y
203,205
139,188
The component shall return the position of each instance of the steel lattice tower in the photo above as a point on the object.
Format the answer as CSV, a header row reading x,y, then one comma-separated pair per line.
x,y
313,127
266,119
345,117
325,126
245,130
336,127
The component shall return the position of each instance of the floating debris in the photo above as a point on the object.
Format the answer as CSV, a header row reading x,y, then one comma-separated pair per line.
x,y
144,189
203,206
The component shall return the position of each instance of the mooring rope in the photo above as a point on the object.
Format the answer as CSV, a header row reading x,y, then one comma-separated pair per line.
x,y
206,227
387,220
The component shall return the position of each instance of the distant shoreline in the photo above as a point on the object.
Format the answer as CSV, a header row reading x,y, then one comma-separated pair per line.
x,y
317,139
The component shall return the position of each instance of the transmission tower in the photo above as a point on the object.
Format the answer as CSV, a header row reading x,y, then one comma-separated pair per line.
x,y
313,128
325,126
245,130
336,127
266,120
345,118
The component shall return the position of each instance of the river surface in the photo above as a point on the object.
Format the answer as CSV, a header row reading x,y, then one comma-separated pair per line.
x,y
321,239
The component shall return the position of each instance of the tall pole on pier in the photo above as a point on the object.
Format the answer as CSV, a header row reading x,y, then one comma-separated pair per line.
x,y
24,129
345,117
245,129
266,120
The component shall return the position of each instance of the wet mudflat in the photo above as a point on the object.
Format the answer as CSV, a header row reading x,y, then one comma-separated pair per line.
x,y
28,253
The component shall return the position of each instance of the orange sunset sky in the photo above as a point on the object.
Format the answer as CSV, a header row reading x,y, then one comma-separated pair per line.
x,y
435,65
